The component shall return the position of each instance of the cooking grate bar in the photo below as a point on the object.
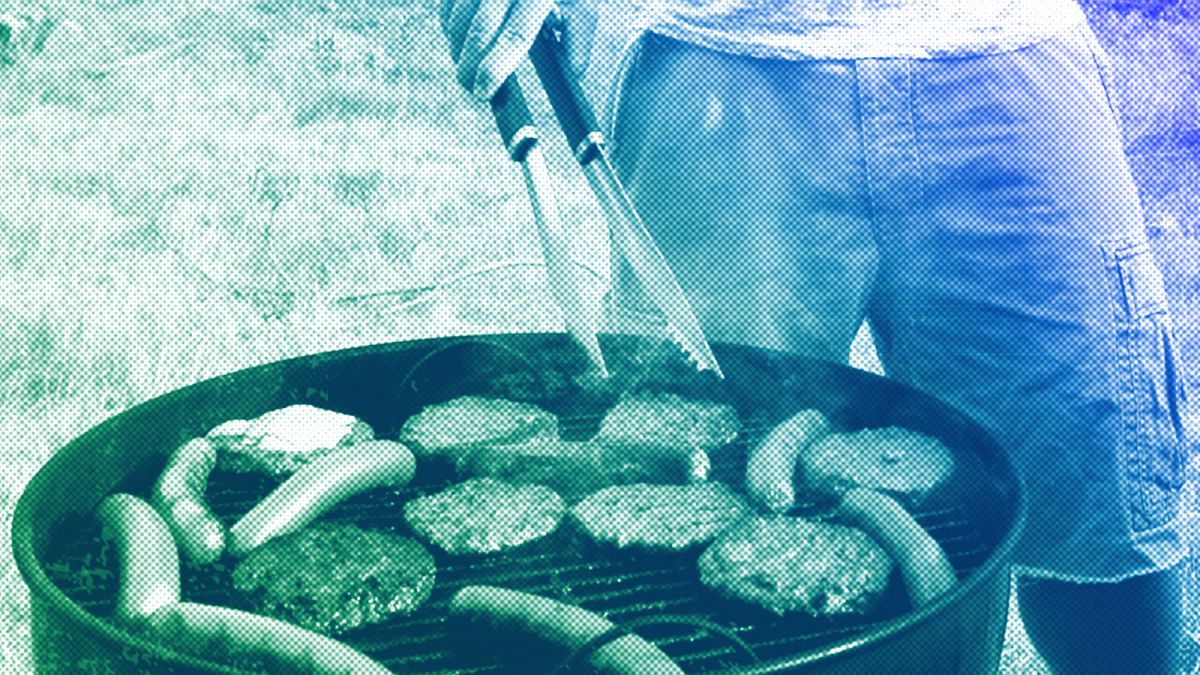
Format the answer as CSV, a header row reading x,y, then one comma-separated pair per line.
x,y
538,569
959,543
622,586
620,594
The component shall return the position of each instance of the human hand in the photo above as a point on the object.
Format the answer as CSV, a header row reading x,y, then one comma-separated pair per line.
x,y
488,38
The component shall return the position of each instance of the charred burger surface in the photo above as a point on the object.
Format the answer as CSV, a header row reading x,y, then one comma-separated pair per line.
x,y
332,577
485,515
795,565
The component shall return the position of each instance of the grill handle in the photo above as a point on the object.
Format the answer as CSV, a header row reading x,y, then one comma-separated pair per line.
x,y
574,116
513,119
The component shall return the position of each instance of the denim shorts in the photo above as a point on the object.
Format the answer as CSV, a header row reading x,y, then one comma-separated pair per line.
x,y
979,213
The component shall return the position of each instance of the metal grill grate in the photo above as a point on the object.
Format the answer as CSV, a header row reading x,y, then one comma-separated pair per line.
x,y
620,585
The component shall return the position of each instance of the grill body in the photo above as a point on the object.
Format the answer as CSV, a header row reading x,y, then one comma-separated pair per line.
x,y
976,516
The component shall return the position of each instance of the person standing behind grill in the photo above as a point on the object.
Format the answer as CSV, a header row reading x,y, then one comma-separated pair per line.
x,y
953,172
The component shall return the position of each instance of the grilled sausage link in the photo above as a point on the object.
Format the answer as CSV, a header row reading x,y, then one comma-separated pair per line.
x,y
772,463
565,625
209,631
923,564
179,498
146,556
320,485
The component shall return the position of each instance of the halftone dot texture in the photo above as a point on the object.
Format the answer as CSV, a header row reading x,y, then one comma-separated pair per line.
x,y
332,578
630,553
191,188
485,515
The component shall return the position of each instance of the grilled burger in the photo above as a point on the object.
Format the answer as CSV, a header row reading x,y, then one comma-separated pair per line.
x,y
663,517
665,438
669,420
281,441
451,429
795,565
898,460
484,515
332,577
573,469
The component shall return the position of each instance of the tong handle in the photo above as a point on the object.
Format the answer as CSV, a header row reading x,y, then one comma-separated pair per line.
x,y
513,119
566,97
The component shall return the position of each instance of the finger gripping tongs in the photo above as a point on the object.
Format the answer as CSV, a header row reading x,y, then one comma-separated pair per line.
x,y
629,235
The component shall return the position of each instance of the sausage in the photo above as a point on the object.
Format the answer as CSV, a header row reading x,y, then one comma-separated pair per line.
x,y
179,498
318,486
658,463
923,564
772,464
565,625
146,556
209,631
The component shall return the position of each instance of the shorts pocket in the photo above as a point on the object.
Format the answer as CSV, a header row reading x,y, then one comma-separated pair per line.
x,y
1153,394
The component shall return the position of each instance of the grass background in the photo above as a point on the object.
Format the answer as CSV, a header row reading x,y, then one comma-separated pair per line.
x,y
189,187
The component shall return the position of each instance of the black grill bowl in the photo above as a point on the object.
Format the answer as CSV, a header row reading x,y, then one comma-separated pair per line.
x,y
976,516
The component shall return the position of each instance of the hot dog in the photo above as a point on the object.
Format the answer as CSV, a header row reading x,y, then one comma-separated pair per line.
x,y
209,631
923,564
318,486
564,625
146,556
148,598
772,463
179,498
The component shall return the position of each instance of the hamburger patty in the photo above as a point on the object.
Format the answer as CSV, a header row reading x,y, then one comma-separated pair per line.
x,y
281,441
333,577
576,469
796,565
452,428
891,458
669,420
573,469
484,515
669,517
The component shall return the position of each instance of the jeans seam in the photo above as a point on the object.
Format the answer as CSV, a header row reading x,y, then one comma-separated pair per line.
x,y
1103,68
1130,461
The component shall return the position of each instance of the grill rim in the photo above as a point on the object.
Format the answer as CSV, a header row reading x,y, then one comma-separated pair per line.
x,y
59,605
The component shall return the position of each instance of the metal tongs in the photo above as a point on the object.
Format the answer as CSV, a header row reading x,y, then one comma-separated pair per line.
x,y
582,317
629,234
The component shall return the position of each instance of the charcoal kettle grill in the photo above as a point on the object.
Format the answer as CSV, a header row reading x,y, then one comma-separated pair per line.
x,y
976,516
